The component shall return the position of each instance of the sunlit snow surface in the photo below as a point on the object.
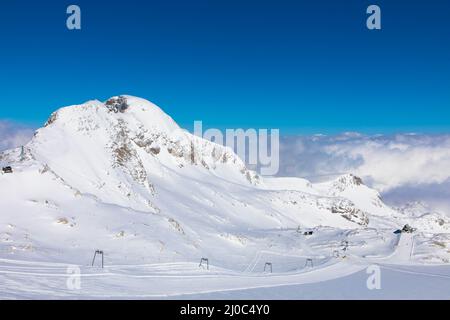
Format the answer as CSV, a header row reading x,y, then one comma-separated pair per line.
x,y
328,278
156,199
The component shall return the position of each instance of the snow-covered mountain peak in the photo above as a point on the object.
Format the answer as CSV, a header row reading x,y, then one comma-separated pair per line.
x,y
133,111
347,181
352,187
415,209
124,145
345,184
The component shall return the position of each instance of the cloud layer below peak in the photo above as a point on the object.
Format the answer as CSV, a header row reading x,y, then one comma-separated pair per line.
x,y
404,167
13,135
386,162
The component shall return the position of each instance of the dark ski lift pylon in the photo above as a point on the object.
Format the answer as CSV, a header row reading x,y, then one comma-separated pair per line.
x,y
99,252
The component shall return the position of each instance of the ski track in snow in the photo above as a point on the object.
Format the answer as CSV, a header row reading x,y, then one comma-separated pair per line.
x,y
158,281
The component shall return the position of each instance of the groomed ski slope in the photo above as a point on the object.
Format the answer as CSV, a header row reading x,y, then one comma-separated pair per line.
x,y
330,278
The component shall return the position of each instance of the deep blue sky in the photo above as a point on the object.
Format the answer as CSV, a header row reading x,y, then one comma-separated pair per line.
x,y
302,66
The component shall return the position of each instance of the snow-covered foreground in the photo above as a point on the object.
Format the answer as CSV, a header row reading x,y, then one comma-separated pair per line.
x,y
292,278
398,283
123,178
342,280
147,281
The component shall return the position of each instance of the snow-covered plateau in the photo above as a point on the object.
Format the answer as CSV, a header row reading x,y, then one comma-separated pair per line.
x,y
122,177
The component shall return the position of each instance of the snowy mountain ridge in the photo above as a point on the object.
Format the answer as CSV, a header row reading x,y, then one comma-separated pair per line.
x,y
122,175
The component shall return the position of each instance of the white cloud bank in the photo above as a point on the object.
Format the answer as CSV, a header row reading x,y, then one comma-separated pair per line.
x,y
404,167
13,135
